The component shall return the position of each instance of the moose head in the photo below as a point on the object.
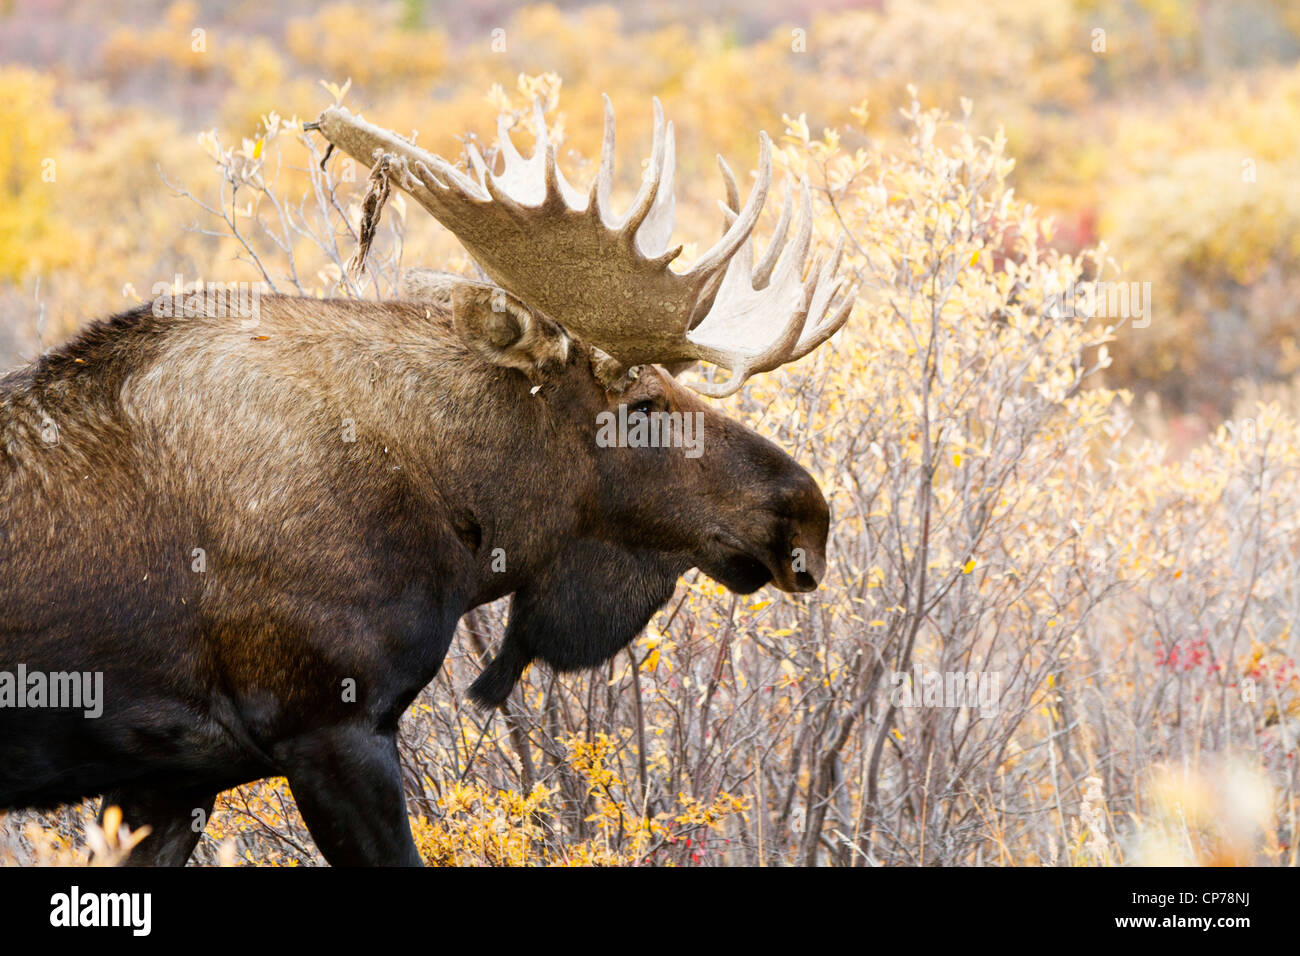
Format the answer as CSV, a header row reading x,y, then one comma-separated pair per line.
x,y
574,279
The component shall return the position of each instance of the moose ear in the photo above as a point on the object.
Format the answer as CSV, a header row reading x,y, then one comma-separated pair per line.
x,y
506,332
581,611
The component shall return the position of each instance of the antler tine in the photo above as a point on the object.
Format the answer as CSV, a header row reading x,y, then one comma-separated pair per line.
x,y
733,194
554,180
556,191
631,223
497,193
763,274
723,250
654,227
650,178
598,197
509,152
764,271
826,329
477,163
793,257
821,292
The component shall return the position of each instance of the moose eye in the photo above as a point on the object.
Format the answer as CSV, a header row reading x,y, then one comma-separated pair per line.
x,y
645,406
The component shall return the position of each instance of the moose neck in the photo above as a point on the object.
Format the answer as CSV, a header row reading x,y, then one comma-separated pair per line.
x,y
508,465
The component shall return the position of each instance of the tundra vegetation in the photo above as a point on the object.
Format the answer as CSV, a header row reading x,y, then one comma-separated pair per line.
x,y
1008,495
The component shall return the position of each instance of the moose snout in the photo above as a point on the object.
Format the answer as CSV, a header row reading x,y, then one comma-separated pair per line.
x,y
799,559
798,567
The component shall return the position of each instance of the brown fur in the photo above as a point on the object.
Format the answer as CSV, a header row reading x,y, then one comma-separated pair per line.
x,y
329,560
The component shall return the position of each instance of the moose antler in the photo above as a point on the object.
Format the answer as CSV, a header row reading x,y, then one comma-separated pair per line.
x,y
607,278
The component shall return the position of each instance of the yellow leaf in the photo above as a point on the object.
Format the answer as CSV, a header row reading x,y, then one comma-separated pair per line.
x,y
968,567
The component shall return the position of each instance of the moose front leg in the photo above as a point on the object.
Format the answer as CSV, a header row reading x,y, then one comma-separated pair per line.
x,y
175,821
348,785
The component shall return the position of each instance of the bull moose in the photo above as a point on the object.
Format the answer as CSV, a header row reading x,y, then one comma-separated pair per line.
x,y
473,474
